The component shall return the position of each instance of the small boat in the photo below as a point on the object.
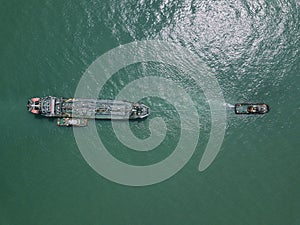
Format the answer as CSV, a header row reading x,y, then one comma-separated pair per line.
x,y
251,108
69,122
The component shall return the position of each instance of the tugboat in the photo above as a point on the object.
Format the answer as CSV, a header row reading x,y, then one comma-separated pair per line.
x,y
87,108
251,108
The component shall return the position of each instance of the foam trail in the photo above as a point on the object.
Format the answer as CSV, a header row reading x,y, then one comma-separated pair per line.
x,y
229,105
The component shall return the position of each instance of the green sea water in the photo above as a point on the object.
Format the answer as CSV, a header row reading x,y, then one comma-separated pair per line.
x,y
251,47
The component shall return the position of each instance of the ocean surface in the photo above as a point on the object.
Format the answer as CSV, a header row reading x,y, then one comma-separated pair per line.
x,y
252,49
